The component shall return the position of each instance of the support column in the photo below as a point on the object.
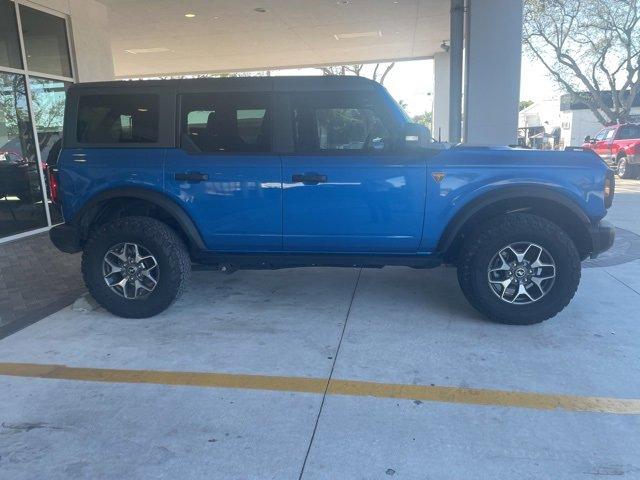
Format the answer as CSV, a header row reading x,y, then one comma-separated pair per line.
x,y
91,40
441,93
456,43
493,71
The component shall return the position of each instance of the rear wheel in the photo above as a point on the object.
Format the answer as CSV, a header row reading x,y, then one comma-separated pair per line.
x,y
519,269
135,267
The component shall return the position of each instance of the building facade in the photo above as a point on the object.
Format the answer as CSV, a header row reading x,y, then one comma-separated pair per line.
x,y
578,121
37,64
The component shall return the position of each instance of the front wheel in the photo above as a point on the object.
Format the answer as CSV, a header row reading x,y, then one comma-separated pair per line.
x,y
623,168
519,269
135,267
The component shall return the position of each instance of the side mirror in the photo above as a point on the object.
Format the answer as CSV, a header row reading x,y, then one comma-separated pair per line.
x,y
416,136
587,139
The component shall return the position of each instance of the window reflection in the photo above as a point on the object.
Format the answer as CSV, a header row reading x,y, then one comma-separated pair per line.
x,y
21,203
47,99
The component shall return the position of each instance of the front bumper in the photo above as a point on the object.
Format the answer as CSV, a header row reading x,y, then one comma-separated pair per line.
x,y
66,238
603,235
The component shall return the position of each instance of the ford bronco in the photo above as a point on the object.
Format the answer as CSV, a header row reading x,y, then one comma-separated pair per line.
x,y
277,172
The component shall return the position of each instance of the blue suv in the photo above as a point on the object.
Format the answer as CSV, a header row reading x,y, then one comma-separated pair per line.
x,y
279,172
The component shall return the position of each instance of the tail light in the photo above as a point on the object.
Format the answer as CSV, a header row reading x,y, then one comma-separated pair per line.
x,y
52,173
609,188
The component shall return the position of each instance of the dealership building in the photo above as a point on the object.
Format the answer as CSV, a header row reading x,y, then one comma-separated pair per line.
x,y
47,45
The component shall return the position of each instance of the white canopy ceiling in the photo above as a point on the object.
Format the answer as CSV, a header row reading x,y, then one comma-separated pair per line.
x,y
154,37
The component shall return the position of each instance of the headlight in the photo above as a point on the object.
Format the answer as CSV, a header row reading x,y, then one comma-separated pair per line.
x,y
609,188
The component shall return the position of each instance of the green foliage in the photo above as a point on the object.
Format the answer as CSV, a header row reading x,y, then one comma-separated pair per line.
x,y
425,119
524,104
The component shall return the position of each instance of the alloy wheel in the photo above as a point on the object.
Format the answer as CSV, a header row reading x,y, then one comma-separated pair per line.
x,y
521,273
130,270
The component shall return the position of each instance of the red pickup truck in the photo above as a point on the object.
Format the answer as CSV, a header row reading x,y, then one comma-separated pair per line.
x,y
619,146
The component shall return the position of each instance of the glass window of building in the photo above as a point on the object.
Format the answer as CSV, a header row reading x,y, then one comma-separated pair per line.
x,y
9,41
47,99
45,42
21,201
35,72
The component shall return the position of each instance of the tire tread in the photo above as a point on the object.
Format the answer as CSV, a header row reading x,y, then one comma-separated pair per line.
x,y
499,228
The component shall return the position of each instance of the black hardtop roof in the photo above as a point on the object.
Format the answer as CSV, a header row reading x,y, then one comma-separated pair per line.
x,y
246,84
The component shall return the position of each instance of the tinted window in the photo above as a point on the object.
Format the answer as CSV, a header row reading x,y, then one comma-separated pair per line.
x,y
339,122
21,201
115,119
45,42
226,123
628,132
9,43
48,97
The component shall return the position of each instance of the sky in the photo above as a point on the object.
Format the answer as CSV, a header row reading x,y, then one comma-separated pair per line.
x,y
412,82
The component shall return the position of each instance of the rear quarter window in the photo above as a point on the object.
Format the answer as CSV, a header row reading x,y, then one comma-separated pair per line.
x,y
628,132
118,119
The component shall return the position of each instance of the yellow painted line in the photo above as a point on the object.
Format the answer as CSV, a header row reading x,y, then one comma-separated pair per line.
x,y
471,396
191,379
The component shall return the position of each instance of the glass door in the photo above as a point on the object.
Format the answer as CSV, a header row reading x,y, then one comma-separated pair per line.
x,y
21,201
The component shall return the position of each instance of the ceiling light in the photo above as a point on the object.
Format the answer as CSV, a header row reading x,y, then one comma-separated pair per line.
x,y
143,109
189,15
260,10
348,36
137,51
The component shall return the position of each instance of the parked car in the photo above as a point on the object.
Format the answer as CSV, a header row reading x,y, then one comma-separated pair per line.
x,y
19,175
279,172
619,146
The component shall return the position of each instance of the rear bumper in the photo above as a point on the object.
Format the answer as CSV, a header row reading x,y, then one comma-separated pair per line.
x,y
603,235
66,238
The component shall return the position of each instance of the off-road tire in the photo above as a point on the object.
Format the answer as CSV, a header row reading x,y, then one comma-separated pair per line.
x,y
159,239
494,235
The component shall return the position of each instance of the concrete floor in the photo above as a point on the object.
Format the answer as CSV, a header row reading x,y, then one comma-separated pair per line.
x,y
403,326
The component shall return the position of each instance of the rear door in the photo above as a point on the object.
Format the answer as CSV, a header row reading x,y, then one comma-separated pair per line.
x,y
626,136
347,188
223,171
114,137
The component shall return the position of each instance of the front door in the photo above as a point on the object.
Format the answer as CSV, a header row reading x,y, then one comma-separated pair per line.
x,y
602,144
347,188
224,173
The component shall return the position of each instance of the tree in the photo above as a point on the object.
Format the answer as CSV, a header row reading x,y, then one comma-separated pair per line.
x,y
591,48
425,119
378,73
524,104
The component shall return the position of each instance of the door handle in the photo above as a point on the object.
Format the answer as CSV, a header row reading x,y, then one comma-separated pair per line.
x,y
309,178
192,177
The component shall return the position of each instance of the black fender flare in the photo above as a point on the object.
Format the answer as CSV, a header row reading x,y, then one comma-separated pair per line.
x,y
85,215
457,223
